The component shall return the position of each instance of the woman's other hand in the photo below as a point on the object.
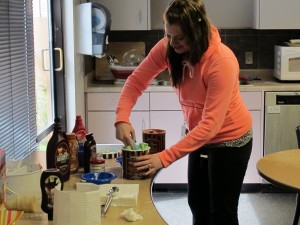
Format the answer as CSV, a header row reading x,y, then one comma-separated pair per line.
x,y
125,133
151,162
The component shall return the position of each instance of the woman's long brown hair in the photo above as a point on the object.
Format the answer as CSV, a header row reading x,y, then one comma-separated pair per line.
x,y
191,16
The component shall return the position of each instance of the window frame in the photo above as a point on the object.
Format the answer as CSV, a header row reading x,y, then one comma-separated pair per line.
x,y
18,120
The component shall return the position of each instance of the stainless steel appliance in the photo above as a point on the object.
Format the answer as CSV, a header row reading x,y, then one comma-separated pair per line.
x,y
282,116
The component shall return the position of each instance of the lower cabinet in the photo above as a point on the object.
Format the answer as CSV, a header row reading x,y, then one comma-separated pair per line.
x,y
101,124
100,116
165,113
161,110
255,104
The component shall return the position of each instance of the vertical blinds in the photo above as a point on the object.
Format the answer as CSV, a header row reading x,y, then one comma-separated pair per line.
x,y
17,79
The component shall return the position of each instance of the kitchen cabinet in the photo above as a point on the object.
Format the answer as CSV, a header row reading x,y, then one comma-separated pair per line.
x,y
276,14
177,172
165,113
129,14
162,110
230,14
255,104
101,116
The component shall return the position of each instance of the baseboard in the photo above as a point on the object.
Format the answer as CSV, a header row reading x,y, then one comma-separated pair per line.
x,y
247,188
251,188
270,188
169,187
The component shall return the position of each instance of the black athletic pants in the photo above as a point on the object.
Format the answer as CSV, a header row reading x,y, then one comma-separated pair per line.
x,y
215,182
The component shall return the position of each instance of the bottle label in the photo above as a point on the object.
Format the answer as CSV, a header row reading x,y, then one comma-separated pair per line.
x,y
80,136
52,182
62,157
94,149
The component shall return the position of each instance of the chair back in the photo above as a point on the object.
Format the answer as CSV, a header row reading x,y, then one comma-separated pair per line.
x,y
298,135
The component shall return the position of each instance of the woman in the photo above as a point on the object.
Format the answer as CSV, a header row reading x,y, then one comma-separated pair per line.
x,y
205,76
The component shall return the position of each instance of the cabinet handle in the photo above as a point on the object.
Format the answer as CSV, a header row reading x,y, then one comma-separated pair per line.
x,y
183,130
60,59
115,100
140,16
143,124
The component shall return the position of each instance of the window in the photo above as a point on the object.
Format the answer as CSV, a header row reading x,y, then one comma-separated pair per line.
x,y
43,73
20,121
17,116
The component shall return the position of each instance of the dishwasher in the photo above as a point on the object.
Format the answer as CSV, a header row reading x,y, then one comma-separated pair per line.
x,y
282,116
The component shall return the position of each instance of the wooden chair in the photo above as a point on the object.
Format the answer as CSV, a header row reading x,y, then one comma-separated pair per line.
x,y
297,211
298,135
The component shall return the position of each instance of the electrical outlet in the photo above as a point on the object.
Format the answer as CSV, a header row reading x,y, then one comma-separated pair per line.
x,y
249,57
274,109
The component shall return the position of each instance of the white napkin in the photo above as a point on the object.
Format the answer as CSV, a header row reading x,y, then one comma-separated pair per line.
x,y
77,207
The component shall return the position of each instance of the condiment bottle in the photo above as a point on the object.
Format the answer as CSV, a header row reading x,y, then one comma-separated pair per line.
x,y
58,151
89,148
73,144
97,163
50,179
80,133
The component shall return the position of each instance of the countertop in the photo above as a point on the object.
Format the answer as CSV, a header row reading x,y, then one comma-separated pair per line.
x,y
265,84
145,205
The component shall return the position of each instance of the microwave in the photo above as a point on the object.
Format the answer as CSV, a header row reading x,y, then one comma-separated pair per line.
x,y
287,63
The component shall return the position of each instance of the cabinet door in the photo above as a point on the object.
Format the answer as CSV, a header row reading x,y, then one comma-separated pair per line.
x,y
172,122
254,102
109,101
129,14
101,124
230,14
267,12
257,148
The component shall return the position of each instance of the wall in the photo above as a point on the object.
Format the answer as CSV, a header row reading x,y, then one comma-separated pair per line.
x,y
74,67
260,42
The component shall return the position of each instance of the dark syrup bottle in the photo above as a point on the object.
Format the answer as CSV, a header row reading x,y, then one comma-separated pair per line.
x,y
58,151
89,149
50,179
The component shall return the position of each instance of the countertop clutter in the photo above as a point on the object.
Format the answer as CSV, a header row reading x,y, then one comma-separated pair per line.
x,y
265,82
144,206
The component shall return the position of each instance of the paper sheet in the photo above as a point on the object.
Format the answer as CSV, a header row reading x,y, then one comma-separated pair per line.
x,y
127,195
78,207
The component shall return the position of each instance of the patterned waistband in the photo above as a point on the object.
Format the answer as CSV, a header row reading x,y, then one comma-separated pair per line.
x,y
233,143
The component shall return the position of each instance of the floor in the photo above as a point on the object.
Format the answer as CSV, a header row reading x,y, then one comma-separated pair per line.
x,y
254,208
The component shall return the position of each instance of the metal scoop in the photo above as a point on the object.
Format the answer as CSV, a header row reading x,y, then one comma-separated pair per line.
x,y
111,193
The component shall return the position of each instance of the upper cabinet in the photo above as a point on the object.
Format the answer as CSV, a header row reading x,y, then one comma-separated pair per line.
x,y
276,14
229,14
157,9
128,14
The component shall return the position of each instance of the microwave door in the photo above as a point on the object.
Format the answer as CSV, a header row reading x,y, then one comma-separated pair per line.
x,y
294,65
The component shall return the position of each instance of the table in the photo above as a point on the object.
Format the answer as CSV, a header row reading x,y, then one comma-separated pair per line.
x,y
145,205
283,169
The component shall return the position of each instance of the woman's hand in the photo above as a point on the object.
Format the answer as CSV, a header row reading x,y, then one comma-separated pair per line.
x,y
151,162
125,133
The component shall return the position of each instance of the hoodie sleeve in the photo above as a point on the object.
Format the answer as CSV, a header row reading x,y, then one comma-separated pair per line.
x,y
139,80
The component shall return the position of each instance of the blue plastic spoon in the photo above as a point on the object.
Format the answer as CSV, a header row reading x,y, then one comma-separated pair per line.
x,y
135,146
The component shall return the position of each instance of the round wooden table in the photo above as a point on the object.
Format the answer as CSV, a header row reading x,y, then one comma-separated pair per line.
x,y
283,169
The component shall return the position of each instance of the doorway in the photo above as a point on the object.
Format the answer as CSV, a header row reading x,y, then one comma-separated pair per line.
x,y
49,67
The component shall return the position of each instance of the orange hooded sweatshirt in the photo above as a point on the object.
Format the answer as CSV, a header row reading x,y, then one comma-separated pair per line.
x,y
209,96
